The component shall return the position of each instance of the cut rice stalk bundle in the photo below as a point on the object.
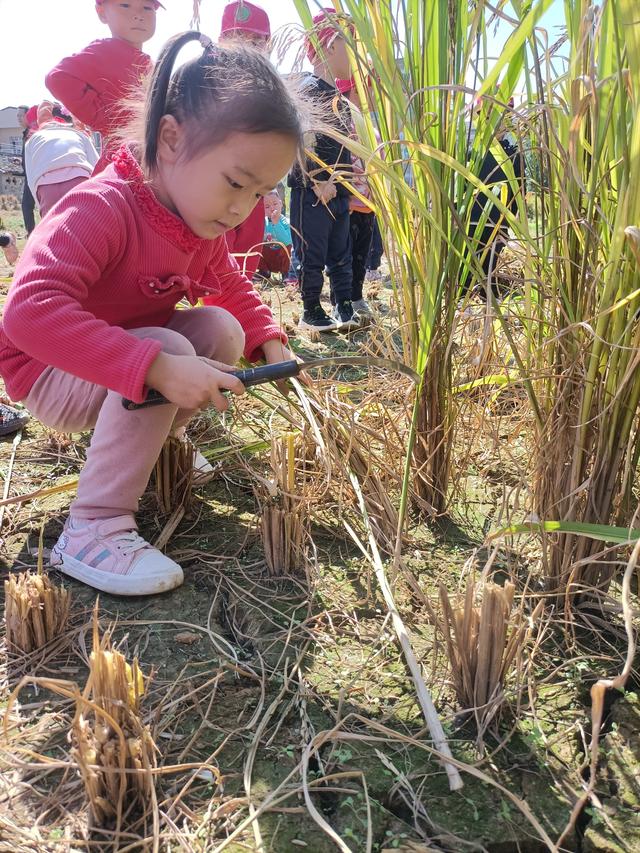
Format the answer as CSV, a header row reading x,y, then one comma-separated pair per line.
x,y
486,638
36,611
174,474
114,750
284,510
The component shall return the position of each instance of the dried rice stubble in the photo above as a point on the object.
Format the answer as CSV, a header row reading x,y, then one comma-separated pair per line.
x,y
114,750
174,474
36,611
486,638
284,504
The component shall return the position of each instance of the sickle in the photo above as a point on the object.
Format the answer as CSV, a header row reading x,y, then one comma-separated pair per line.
x,y
287,369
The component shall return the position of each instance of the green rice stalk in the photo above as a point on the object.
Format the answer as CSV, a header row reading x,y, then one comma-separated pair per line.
x,y
423,184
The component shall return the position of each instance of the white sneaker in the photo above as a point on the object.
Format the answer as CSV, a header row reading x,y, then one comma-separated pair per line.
x,y
109,555
373,275
202,468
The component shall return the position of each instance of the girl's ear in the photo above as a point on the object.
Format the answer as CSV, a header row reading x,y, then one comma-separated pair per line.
x,y
169,138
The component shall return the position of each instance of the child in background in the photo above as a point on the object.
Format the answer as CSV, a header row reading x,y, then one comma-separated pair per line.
x,y
276,249
361,220
57,157
246,23
11,420
8,244
320,205
91,315
94,83
28,122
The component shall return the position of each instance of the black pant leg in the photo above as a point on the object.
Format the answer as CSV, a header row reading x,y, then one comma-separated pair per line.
x,y
339,258
361,233
28,208
311,224
376,250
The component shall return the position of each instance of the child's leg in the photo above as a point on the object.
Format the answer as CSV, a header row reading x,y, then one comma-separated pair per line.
x,y
281,260
100,544
375,253
311,224
214,333
361,232
125,445
339,257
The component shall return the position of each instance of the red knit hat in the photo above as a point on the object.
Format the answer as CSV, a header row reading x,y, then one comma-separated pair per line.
x,y
345,86
156,3
245,17
325,29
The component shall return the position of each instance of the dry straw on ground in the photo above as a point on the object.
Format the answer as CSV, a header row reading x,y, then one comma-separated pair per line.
x,y
36,611
114,750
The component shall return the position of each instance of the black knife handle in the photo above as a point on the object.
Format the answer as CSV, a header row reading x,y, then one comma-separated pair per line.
x,y
268,372
248,376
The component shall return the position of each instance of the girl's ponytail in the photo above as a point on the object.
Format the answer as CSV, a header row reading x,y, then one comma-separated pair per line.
x,y
224,91
157,95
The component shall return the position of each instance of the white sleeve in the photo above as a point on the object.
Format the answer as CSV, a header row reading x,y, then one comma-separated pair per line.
x,y
90,149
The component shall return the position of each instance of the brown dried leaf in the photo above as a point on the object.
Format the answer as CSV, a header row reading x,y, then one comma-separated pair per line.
x,y
187,638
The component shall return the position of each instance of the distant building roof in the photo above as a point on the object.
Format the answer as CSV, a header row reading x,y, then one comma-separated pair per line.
x,y
9,117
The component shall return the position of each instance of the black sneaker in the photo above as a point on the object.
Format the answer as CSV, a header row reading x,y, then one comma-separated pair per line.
x,y
11,420
344,316
317,320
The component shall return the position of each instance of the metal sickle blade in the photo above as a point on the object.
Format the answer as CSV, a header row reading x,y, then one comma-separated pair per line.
x,y
362,361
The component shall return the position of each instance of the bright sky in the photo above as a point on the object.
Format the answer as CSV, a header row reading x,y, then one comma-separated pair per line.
x,y
38,33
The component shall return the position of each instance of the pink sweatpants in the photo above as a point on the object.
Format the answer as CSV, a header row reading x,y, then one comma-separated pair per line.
x,y
50,194
125,445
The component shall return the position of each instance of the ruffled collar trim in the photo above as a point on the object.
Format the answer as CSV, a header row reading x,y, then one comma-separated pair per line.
x,y
166,223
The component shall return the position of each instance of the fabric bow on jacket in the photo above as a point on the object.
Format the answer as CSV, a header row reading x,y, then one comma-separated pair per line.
x,y
178,286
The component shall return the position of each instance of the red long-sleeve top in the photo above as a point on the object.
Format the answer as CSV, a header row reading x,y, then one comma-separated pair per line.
x,y
245,240
93,84
108,258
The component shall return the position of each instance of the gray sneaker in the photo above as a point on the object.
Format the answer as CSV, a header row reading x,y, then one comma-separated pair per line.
x,y
344,316
362,309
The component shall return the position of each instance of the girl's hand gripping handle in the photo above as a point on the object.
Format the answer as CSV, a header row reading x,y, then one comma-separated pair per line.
x,y
250,376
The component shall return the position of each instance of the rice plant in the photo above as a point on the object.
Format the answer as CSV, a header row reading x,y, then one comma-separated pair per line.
x,y
579,249
423,176
174,474
584,333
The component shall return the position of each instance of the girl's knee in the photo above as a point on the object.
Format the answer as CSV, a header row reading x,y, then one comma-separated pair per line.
x,y
173,342
227,336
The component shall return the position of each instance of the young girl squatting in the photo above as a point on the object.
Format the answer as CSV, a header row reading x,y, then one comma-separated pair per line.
x,y
91,315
